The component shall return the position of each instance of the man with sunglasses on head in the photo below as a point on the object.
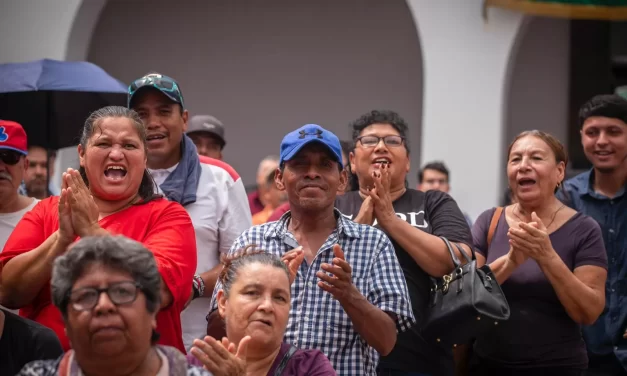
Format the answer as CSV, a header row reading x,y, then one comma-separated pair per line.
x,y
13,165
210,190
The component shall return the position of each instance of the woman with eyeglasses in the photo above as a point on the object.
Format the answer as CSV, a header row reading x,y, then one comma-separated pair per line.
x,y
414,221
112,193
108,290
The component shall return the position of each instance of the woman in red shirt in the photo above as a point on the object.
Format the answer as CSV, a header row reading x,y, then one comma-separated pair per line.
x,y
112,194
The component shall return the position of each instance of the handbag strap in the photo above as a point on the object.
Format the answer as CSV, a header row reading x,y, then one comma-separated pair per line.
x,y
493,223
456,261
285,360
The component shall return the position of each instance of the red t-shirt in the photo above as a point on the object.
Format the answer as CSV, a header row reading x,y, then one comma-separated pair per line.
x,y
163,227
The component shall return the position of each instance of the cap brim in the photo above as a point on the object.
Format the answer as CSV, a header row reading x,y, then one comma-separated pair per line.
x,y
23,152
143,89
220,138
299,147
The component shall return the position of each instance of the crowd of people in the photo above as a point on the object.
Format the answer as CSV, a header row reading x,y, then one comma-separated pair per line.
x,y
152,259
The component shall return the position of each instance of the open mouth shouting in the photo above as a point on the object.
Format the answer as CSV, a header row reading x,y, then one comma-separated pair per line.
x,y
115,172
526,182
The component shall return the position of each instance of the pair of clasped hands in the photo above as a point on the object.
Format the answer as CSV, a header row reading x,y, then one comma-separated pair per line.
x,y
530,240
78,212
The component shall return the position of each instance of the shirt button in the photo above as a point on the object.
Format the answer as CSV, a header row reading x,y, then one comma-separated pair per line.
x,y
310,284
611,231
613,290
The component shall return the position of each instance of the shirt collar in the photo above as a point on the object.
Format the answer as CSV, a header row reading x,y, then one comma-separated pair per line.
x,y
585,185
345,227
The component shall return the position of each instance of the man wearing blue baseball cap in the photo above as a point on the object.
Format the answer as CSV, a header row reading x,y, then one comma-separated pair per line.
x,y
349,298
210,190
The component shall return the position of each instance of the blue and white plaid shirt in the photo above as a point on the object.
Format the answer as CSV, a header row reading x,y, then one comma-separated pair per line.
x,y
317,320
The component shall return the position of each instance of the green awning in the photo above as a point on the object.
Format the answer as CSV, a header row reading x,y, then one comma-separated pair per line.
x,y
614,10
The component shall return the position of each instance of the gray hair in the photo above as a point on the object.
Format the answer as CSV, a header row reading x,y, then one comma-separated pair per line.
x,y
116,252
232,264
146,188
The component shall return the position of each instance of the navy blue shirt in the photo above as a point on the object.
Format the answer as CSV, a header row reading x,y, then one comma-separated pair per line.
x,y
605,336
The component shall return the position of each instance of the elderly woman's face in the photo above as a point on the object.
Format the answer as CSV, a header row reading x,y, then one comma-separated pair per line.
x,y
108,329
367,158
258,305
114,159
532,170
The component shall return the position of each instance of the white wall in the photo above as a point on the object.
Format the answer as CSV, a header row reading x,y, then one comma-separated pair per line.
x,y
267,67
538,93
465,70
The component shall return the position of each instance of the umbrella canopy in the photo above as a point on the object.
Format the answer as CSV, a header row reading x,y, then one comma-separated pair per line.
x,y
52,99
57,75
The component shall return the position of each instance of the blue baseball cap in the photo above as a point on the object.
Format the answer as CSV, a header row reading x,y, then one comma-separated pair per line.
x,y
294,141
167,85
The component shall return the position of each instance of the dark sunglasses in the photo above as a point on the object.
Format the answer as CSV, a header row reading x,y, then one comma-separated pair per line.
x,y
10,157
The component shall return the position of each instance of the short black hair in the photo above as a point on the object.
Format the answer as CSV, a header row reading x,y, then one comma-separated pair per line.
x,y
606,105
437,166
380,117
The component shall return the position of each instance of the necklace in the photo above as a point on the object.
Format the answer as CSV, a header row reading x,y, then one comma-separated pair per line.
x,y
552,218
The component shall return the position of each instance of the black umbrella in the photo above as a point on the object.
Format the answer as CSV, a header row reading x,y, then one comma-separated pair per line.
x,y
52,99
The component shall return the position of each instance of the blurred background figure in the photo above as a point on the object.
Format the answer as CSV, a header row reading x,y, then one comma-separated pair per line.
x,y
207,133
273,197
36,183
255,198
435,175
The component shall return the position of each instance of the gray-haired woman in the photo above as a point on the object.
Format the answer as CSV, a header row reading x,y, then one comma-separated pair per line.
x,y
255,303
111,194
108,291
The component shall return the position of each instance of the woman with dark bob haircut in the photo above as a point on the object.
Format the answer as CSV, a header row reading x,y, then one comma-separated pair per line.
x,y
107,289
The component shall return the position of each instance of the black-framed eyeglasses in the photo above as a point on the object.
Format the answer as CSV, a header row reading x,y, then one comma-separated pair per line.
x,y
10,157
86,298
372,141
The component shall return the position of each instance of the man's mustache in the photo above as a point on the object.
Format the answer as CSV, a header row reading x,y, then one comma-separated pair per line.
x,y
6,175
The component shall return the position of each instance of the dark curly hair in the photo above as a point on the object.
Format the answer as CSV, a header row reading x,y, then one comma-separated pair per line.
x,y
380,117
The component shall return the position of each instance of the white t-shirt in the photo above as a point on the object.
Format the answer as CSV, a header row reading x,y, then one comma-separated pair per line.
x,y
8,221
219,215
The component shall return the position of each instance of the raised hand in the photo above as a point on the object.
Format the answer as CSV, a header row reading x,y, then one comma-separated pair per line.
x,y
366,212
84,209
339,283
380,194
293,259
532,239
222,358
66,228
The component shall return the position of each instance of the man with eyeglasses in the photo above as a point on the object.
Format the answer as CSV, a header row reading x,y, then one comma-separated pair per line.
x,y
414,222
13,165
210,190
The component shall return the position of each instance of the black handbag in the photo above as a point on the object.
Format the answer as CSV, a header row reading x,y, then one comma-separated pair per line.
x,y
465,303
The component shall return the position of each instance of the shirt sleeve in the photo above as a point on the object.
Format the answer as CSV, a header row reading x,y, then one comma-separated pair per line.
x,y
480,232
172,240
446,218
590,248
46,345
236,218
29,233
388,287
311,363
238,244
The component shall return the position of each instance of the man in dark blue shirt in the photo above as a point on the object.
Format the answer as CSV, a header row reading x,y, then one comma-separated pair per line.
x,y
601,194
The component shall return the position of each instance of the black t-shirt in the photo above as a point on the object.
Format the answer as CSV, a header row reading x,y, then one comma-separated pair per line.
x,y
23,341
436,213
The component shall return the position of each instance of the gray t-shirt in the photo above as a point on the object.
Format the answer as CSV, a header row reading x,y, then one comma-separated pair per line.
x,y
539,332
